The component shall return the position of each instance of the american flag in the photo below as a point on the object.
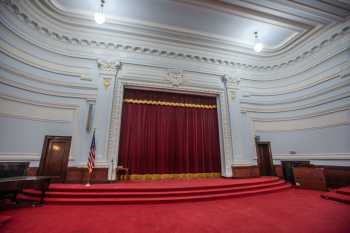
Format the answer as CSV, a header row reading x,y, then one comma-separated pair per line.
x,y
92,155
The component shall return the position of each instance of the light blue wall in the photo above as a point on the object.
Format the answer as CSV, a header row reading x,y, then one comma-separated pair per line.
x,y
330,140
310,141
21,137
26,135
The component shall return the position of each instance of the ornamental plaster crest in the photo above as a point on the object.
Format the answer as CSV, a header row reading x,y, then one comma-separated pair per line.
x,y
108,67
175,77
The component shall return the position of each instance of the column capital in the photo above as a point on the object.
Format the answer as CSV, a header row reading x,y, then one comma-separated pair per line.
x,y
230,81
108,67
232,85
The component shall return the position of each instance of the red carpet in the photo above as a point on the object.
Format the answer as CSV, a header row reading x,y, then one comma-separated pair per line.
x,y
290,211
4,219
341,195
143,192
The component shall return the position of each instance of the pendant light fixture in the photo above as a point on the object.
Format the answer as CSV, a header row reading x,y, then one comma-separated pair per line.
x,y
99,16
258,46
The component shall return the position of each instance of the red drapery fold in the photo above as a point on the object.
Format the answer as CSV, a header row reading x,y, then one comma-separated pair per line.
x,y
158,139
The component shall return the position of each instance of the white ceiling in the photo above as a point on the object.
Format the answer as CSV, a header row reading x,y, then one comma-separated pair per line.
x,y
280,23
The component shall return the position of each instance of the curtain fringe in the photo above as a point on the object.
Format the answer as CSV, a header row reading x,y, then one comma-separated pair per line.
x,y
170,176
171,104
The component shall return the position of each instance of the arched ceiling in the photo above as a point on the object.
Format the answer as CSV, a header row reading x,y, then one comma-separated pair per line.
x,y
281,24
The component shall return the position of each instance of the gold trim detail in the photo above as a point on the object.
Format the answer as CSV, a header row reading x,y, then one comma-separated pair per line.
x,y
172,104
170,176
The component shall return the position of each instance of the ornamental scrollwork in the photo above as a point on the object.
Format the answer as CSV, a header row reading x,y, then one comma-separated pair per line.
x,y
175,77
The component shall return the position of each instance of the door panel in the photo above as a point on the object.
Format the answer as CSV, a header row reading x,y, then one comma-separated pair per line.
x,y
54,158
265,159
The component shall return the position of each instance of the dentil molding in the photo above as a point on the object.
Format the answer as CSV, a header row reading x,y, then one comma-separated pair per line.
x,y
328,39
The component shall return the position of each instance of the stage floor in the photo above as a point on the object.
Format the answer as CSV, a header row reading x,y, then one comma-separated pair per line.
x,y
161,191
168,184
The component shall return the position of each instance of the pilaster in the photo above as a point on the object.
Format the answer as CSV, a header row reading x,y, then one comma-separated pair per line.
x,y
231,82
108,70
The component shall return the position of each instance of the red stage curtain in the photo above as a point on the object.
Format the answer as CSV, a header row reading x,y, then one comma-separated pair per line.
x,y
158,139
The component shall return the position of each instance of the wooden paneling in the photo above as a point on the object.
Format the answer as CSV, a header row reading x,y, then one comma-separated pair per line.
x,y
245,171
279,171
10,169
79,175
32,171
337,176
310,178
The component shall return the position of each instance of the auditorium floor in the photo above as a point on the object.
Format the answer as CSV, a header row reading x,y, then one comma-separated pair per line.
x,y
290,211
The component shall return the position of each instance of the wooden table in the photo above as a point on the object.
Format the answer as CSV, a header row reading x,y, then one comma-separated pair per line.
x,y
14,185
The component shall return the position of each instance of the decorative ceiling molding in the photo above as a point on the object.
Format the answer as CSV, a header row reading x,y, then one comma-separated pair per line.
x,y
328,38
298,28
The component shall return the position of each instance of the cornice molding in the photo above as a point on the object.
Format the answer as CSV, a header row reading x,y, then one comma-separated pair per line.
x,y
263,108
37,62
308,79
39,103
256,117
342,83
327,38
36,78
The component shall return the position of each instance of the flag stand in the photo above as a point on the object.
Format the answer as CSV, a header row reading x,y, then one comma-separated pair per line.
x,y
88,181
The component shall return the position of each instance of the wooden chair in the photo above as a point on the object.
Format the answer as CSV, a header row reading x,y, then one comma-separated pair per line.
x,y
122,173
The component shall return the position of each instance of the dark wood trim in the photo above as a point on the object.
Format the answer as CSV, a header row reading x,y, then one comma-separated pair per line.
x,y
80,175
245,171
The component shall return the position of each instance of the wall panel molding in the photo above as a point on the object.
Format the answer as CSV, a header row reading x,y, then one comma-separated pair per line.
x,y
312,122
19,157
323,156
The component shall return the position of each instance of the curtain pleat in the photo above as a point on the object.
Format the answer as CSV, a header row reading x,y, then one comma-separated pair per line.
x,y
158,139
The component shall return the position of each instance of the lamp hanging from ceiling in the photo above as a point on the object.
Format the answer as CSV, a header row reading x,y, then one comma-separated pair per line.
x,y
258,46
99,16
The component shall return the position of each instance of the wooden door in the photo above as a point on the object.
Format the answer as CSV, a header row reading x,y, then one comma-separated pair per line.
x,y
54,157
263,150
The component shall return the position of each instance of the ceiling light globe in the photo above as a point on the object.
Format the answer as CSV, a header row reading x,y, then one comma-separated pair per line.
x,y
258,47
99,18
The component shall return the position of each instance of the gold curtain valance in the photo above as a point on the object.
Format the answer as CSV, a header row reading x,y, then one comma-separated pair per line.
x,y
172,104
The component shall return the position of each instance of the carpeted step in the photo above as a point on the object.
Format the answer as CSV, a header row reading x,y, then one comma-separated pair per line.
x,y
344,190
125,200
337,197
161,186
163,193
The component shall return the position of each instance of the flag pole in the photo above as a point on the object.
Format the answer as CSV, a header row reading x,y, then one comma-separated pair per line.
x,y
89,168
